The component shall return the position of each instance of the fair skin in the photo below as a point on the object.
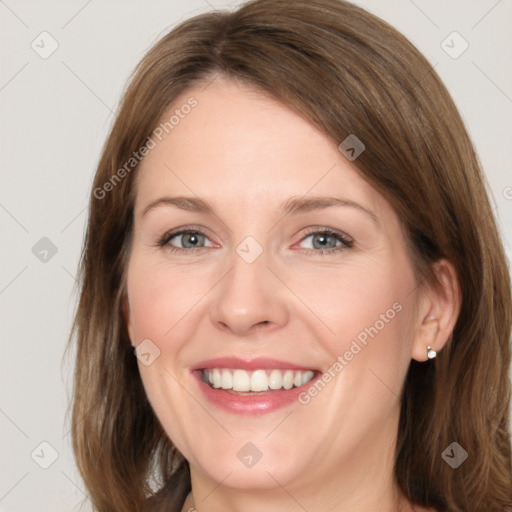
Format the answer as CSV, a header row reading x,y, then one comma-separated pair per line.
x,y
246,154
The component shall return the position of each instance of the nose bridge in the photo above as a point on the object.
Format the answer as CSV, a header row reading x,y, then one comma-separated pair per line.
x,y
248,296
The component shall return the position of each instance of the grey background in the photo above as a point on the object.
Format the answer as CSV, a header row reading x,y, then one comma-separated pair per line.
x,y
56,113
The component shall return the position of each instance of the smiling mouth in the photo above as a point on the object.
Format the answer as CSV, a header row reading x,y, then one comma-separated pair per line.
x,y
257,381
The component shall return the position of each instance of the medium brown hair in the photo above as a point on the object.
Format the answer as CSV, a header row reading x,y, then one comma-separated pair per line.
x,y
347,72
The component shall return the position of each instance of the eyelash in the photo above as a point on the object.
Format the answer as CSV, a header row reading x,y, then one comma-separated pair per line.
x,y
346,243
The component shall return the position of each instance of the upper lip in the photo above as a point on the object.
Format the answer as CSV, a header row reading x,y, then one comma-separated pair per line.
x,y
257,363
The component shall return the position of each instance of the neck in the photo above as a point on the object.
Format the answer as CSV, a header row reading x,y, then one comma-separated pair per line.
x,y
285,502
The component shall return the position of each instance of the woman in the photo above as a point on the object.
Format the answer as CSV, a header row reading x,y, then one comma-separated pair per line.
x,y
290,230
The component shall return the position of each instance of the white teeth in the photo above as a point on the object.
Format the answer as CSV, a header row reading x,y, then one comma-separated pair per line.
x,y
288,379
259,381
256,381
216,378
226,380
307,376
275,380
241,380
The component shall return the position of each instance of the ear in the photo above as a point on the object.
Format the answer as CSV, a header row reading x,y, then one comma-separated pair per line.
x,y
437,311
126,314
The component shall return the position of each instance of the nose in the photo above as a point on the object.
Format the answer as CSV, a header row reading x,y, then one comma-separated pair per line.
x,y
250,298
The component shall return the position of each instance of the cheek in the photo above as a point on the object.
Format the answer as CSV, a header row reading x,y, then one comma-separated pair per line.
x,y
160,298
368,351
355,301
363,320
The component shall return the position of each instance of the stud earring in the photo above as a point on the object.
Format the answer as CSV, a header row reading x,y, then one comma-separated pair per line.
x,y
431,353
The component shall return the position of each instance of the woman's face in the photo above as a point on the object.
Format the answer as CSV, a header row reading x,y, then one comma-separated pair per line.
x,y
258,295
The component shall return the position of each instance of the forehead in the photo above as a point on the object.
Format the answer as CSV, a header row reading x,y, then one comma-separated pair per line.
x,y
240,146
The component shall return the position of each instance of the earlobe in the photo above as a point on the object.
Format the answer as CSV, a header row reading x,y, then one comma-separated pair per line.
x,y
427,335
431,353
437,315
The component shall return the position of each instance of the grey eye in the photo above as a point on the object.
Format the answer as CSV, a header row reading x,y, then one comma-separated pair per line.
x,y
191,240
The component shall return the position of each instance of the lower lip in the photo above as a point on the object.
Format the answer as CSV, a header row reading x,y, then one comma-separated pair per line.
x,y
260,403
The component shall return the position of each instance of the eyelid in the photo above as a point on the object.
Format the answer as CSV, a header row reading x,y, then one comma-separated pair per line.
x,y
168,235
346,241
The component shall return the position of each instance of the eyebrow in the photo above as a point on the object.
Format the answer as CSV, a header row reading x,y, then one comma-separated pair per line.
x,y
294,204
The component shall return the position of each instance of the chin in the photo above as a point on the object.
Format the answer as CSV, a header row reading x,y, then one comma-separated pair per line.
x,y
263,476
252,465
